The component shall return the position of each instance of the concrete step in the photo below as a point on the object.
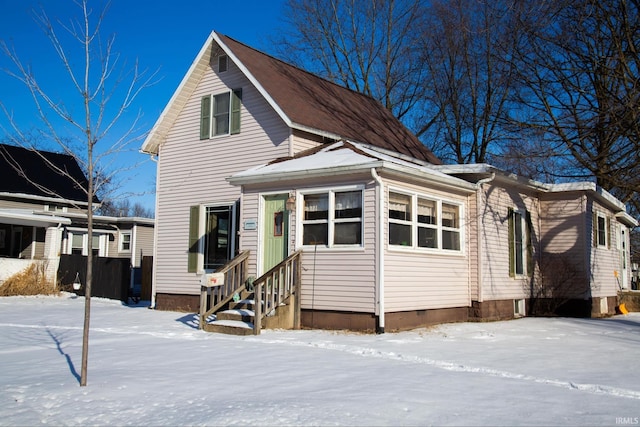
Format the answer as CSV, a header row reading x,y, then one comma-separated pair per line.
x,y
230,327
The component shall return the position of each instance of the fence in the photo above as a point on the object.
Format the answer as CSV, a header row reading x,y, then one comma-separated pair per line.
x,y
111,276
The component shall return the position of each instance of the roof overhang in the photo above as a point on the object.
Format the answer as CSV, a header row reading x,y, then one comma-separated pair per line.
x,y
31,219
379,165
158,132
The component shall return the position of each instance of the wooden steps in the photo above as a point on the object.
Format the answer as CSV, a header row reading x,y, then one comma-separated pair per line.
x,y
236,320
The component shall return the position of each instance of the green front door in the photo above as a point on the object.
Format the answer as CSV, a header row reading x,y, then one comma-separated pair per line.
x,y
276,231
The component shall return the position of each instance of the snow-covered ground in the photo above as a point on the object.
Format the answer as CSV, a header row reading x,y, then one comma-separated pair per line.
x,y
149,367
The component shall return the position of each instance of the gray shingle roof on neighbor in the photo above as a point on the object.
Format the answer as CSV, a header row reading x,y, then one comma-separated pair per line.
x,y
316,103
37,174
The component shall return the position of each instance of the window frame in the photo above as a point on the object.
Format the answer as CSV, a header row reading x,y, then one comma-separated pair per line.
x,y
197,238
121,241
208,114
523,217
223,59
102,244
331,219
602,235
435,223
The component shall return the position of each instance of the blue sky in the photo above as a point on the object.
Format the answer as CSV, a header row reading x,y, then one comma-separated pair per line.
x,y
162,35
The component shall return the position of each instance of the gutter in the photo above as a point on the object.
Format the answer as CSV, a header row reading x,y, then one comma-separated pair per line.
x,y
380,250
442,179
478,229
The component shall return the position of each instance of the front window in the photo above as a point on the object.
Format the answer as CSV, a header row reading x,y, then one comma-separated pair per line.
x,y
421,222
332,218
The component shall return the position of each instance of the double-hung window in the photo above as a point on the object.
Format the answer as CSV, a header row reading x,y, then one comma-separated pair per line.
x,y
601,225
220,114
422,222
125,241
520,246
332,218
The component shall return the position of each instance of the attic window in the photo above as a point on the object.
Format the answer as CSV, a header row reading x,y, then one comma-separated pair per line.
x,y
222,63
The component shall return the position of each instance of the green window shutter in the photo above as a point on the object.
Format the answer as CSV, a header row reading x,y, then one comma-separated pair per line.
x,y
529,235
194,239
512,247
236,103
608,237
594,229
205,116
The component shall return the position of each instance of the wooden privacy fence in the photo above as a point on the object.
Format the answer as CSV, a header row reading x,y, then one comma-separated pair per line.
x,y
111,276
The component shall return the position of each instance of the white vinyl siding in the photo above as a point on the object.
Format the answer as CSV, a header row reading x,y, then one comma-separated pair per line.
x,y
605,258
496,202
304,141
565,240
193,171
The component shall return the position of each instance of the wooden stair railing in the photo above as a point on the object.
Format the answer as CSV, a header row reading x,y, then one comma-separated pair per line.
x,y
274,287
235,276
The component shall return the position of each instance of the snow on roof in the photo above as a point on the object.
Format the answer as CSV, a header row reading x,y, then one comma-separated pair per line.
x,y
30,218
340,158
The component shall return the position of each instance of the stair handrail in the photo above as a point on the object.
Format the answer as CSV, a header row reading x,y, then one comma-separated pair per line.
x,y
274,287
235,276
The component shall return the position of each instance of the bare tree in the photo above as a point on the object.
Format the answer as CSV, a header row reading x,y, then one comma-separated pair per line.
x,y
470,82
579,66
369,46
124,208
83,126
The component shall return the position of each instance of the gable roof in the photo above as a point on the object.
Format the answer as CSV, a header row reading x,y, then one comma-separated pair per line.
x,y
344,157
303,100
33,173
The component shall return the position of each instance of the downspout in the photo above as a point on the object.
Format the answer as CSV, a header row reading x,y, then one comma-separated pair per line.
x,y
291,151
380,249
155,234
132,258
479,228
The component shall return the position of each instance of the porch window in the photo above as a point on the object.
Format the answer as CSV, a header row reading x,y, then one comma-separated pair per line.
x,y
220,114
421,222
520,246
332,218
77,244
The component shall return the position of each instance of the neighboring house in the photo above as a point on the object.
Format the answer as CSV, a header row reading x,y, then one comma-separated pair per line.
x,y
257,155
43,215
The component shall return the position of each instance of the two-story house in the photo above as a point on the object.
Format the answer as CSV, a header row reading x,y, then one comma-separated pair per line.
x,y
257,155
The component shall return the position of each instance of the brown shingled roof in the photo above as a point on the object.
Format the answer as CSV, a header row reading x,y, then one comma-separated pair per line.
x,y
316,103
